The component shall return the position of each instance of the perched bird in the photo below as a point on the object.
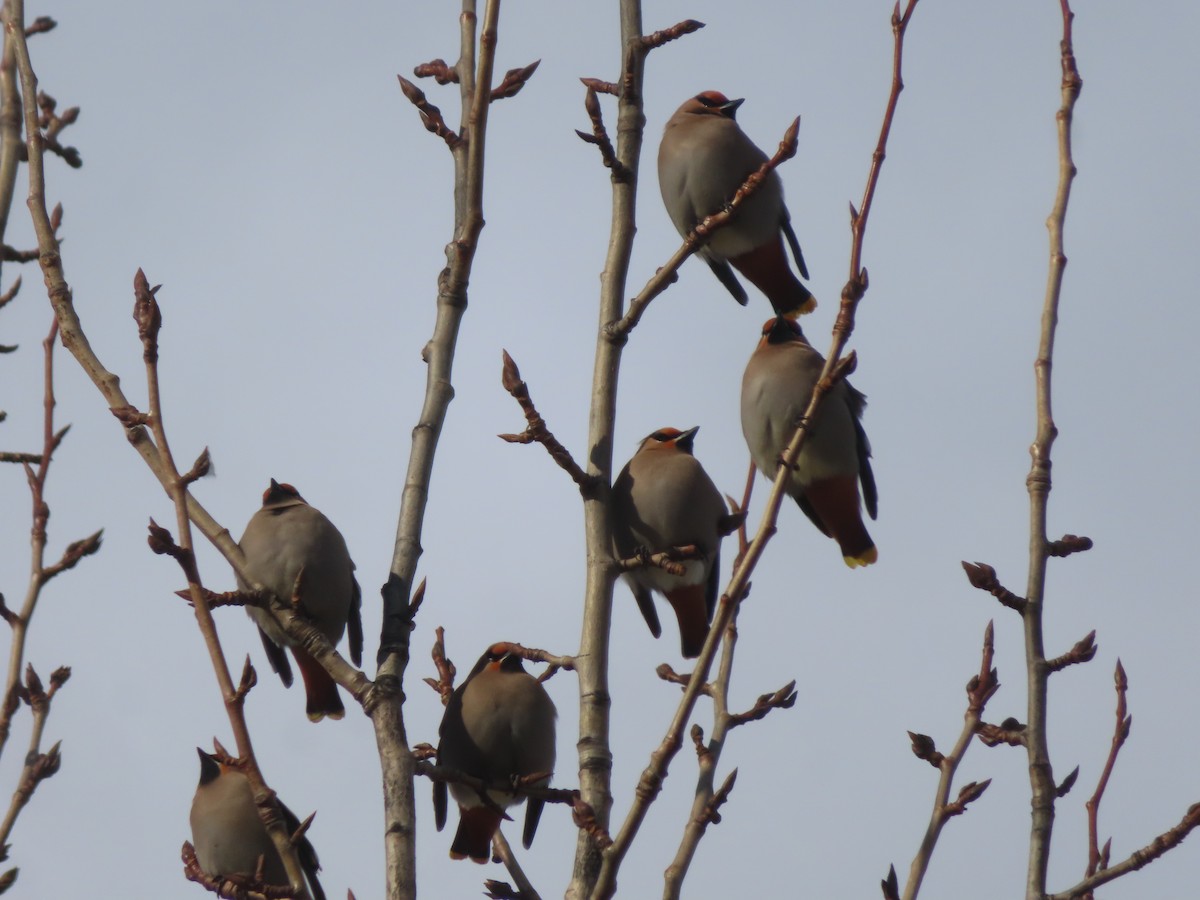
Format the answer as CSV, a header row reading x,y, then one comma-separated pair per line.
x,y
663,498
836,456
498,725
287,538
229,836
703,159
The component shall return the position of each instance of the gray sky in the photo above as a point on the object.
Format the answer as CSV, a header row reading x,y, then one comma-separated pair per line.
x,y
260,162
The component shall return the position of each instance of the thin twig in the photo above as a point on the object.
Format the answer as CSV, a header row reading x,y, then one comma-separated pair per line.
x,y
474,71
37,765
1041,773
980,689
1168,840
148,316
504,851
1120,734
595,754
536,430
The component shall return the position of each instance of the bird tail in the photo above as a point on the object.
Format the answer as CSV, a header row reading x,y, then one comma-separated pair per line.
x,y
691,609
767,268
835,502
320,688
473,840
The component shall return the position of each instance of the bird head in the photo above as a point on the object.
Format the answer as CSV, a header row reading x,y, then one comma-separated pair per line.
x,y
670,439
714,103
210,769
280,495
781,330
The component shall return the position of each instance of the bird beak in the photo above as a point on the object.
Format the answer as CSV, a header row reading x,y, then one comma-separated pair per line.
x,y
684,441
730,108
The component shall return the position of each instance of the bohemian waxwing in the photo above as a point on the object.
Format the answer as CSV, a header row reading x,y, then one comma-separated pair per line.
x,y
836,456
498,725
663,498
228,835
703,159
284,537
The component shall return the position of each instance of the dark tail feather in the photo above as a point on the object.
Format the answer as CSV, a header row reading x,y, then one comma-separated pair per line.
x,y
726,277
786,226
533,815
277,658
439,804
473,840
322,692
645,603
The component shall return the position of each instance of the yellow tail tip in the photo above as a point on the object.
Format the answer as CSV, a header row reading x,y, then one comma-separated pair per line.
x,y
865,559
803,309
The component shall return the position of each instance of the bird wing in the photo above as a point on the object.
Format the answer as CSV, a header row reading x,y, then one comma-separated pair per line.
x,y
786,225
354,625
277,658
725,275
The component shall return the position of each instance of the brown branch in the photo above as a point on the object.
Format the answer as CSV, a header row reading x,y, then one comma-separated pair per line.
x,y
431,116
37,765
536,430
525,889
599,136
53,125
658,38
1120,734
1010,732
32,459
148,317
8,296
595,702
500,890
1068,544
1138,859
858,281
234,887
601,87
784,698
1083,651
74,552
40,25
474,71
1043,790
532,654
983,577
12,254
513,81
698,237
444,683
712,815
669,675
668,560
524,786
980,688
438,71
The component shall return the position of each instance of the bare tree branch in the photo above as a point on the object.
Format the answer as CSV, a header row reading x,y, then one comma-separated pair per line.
x,y
1041,773
980,689
536,430
474,73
